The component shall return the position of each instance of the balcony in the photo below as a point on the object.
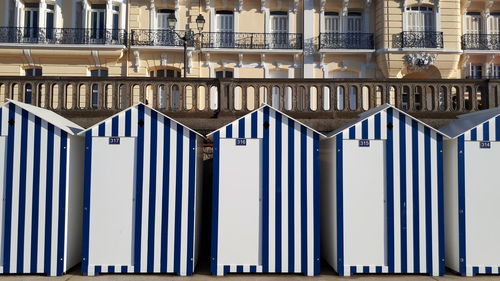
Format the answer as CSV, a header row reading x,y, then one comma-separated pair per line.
x,y
240,40
346,41
167,38
481,42
418,39
62,36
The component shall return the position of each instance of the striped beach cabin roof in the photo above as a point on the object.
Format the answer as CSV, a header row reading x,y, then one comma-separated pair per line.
x,y
472,158
410,185
155,164
280,158
41,170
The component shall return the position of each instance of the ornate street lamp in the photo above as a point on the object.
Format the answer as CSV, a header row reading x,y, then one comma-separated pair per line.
x,y
188,35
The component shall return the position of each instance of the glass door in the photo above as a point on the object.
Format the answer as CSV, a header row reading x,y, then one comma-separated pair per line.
x,y
31,27
98,23
225,29
164,36
279,30
49,22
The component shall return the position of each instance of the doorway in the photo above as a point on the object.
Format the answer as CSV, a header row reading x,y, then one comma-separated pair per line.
x,y
240,202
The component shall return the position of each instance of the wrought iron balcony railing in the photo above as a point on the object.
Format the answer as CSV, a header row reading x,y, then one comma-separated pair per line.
x,y
481,42
76,36
346,41
418,39
239,40
148,37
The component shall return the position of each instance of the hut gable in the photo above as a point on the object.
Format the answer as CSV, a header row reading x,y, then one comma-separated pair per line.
x,y
476,126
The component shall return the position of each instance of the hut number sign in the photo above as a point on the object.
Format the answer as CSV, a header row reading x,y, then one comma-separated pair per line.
x,y
364,143
241,142
485,145
114,140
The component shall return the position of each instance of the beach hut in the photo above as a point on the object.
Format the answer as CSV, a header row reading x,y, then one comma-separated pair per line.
x,y
265,208
472,193
382,195
41,175
141,194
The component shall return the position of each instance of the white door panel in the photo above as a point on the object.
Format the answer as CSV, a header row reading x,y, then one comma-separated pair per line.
x,y
364,203
482,194
3,166
240,202
111,225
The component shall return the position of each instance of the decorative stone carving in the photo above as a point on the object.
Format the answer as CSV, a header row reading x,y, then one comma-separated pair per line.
x,y
419,61
163,59
137,61
240,60
345,7
322,4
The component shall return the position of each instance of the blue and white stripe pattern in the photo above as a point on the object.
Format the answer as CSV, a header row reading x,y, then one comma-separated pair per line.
x,y
35,190
290,200
414,178
486,131
167,182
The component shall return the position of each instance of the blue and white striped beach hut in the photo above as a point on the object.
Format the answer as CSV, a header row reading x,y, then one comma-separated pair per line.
x,y
382,195
143,176
41,175
472,193
265,213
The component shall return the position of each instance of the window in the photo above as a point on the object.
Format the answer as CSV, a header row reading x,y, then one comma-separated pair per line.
x,y
95,87
279,29
115,16
476,72
50,21
354,21
166,72
162,18
473,23
494,23
97,21
332,22
225,27
31,15
495,71
420,18
28,88
33,72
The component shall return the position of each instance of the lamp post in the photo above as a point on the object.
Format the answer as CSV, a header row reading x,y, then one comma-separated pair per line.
x,y
188,35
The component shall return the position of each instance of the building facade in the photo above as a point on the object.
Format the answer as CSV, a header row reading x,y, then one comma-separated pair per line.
x,y
252,38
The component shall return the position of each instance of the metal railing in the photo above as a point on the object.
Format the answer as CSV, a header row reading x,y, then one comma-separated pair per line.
x,y
418,39
346,41
148,37
481,42
85,36
240,40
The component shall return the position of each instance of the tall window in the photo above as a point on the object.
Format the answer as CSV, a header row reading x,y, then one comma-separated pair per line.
x,y
332,22
97,21
494,23
279,29
476,72
162,18
495,71
354,22
162,89
420,18
473,23
49,21
115,18
31,15
225,27
28,88
95,87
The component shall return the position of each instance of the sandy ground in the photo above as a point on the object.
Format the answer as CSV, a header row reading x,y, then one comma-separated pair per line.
x,y
203,274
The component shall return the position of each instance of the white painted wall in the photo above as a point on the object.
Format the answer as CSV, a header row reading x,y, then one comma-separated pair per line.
x,y
3,166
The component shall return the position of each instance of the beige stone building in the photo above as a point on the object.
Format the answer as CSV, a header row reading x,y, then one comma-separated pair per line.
x,y
251,38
